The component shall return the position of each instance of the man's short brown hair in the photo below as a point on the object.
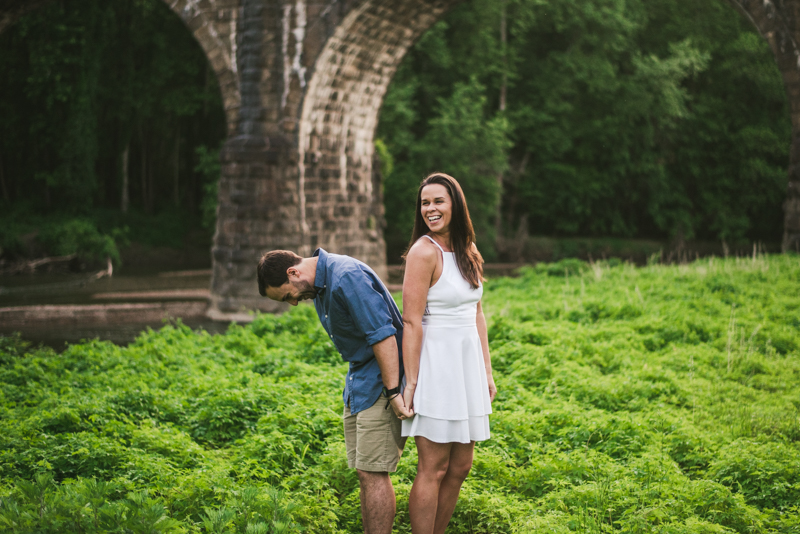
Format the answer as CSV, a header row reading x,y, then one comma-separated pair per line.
x,y
272,269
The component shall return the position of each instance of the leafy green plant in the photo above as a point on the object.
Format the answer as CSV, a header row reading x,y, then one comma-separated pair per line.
x,y
629,400
767,474
81,237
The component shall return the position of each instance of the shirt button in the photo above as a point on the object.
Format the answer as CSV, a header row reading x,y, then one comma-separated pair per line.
x,y
351,378
326,316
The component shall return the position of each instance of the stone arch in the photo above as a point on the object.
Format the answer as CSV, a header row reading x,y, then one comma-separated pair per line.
x,y
302,83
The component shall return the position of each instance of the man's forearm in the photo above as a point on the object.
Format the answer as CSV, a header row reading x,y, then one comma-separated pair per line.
x,y
388,361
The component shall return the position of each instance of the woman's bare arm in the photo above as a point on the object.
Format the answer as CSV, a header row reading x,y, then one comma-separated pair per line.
x,y
487,359
420,266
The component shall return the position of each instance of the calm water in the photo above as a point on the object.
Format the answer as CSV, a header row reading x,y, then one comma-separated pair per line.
x,y
63,289
60,289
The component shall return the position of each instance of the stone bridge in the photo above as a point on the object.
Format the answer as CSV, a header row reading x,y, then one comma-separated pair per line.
x,y
302,83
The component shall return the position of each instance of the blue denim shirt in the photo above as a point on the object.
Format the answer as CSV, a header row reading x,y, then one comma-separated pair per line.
x,y
357,311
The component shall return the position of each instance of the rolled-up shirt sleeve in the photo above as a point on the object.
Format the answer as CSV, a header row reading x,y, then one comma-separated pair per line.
x,y
367,308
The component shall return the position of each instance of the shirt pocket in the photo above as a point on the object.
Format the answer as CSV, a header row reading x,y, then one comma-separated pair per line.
x,y
341,323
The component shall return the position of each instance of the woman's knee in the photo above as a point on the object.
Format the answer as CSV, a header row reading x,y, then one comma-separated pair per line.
x,y
459,469
435,471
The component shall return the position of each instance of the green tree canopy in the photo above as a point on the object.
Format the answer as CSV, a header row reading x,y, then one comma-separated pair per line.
x,y
660,119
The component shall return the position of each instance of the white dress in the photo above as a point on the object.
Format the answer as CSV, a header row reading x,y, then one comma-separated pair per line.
x,y
451,401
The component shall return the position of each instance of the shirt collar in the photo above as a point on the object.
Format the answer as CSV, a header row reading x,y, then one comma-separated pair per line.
x,y
322,269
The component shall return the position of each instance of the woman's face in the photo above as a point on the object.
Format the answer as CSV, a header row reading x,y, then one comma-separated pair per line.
x,y
437,207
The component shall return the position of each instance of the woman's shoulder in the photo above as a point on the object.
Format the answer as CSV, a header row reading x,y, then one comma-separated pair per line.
x,y
422,251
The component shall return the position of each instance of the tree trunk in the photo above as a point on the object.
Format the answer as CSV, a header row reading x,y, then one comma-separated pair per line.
x,y
125,183
502,107
177,164
3,182
144,171
512,207
504,48
191,180
150,182
207,90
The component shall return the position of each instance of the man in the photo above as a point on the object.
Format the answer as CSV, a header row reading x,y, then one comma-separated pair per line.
x,y
364,324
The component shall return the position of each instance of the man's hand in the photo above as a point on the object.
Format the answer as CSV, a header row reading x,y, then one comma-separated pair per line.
x,y
400,409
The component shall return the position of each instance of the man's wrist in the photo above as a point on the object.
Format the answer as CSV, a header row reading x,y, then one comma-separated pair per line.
x,y
389,392
390,395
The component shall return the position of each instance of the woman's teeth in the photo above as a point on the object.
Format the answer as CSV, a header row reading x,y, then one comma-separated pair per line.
x,y
434,218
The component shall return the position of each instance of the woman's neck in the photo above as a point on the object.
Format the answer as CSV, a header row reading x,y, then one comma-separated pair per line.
x,y
443,238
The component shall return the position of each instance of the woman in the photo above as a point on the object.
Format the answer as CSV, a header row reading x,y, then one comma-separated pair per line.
x,y
448,371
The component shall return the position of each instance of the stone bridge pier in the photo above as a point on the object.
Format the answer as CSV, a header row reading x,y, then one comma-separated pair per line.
x,y
297,169
302,83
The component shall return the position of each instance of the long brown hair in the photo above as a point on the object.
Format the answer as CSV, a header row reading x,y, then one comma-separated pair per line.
x,y
462,235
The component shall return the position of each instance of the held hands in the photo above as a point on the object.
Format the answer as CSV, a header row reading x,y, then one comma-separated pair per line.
x,y
400,408
407,399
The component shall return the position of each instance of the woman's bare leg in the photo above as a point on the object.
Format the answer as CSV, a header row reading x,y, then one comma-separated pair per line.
x,y
441,469
458,468
423,500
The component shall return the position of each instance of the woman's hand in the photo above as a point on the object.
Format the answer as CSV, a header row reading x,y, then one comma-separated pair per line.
x,y
401,410
492,388
408,397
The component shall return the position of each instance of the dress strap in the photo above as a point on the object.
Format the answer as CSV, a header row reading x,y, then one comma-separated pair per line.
x,y
435,243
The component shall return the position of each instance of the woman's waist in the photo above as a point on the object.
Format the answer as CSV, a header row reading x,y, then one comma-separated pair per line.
x,y
451,320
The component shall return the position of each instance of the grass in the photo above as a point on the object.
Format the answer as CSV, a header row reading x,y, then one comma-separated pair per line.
x,y
658,399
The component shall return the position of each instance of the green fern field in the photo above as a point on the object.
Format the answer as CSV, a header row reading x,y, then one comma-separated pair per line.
x,y
663,399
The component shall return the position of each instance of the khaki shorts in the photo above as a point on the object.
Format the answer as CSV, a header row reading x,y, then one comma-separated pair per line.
x,y
372,438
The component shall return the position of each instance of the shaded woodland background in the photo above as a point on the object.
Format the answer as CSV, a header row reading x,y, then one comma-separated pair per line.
x,y
111,125
663,120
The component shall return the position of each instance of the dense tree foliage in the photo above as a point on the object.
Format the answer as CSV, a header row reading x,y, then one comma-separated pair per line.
x,y
104,105
663,119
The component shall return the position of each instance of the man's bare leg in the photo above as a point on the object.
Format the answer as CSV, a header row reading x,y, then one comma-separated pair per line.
x,y
377,502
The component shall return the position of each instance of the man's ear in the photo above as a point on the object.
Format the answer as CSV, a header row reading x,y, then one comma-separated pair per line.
x,y
293,272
